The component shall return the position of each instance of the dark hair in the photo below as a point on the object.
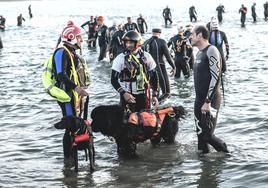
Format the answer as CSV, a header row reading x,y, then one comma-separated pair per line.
x,y
202,29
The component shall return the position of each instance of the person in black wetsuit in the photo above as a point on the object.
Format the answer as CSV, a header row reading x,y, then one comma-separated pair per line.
x,y
92,28
157,47
187,34
192,13
253,12
207,79
103,35
220,10
1,43
265,7
65,60
30,11
243,10
217,38
131,26
167,15
2,23
141,24
19,20
183,50
116,45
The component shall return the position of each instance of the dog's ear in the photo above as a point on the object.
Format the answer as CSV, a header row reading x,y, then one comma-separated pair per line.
x,y
61,124
66,122
180,112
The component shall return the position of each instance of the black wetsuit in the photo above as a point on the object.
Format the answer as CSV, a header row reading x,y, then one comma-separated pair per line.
x,y
158,48
243,11
192,13
131,27
30,11
167,16
187,34
207,79
111,31
103,35
216,38
92,27
265,6
220,10
2,23
141,23
183,50
19,20
116,44
253,13
1,43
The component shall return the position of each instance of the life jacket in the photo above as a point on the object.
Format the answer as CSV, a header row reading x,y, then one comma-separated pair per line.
x,y
49,81
148,118
135,71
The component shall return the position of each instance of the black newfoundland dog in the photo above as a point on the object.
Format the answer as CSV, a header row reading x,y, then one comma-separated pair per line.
x,y
128,129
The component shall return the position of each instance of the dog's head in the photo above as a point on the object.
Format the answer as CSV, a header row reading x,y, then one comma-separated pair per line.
x,y
179,112
107,119
72,124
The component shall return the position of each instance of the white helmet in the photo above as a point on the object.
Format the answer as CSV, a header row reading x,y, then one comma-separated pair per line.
x,y
214,24
70,32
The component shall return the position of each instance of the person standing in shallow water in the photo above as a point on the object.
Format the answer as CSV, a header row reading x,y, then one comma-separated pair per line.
x,y
265,6
253,12
19,20
157,47
243,11
220,10
30,11
142,25
216,38
167,15
192,13
207,79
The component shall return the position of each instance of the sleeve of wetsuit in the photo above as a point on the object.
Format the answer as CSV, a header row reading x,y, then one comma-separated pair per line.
x,y
136,26
154,81
61,59
214,67
84,24
115,83
226,43
168,56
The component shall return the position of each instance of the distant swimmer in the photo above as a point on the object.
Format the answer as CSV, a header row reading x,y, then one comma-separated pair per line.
x,y
192,13
217,38
131,26
1,43
183,49
2,23
30,11
19,20
220,9
92,28
265,6
102,34
253,12
243,11
167,15
142,25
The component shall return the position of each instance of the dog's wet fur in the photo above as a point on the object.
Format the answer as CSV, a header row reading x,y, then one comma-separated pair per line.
x,y
111,120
